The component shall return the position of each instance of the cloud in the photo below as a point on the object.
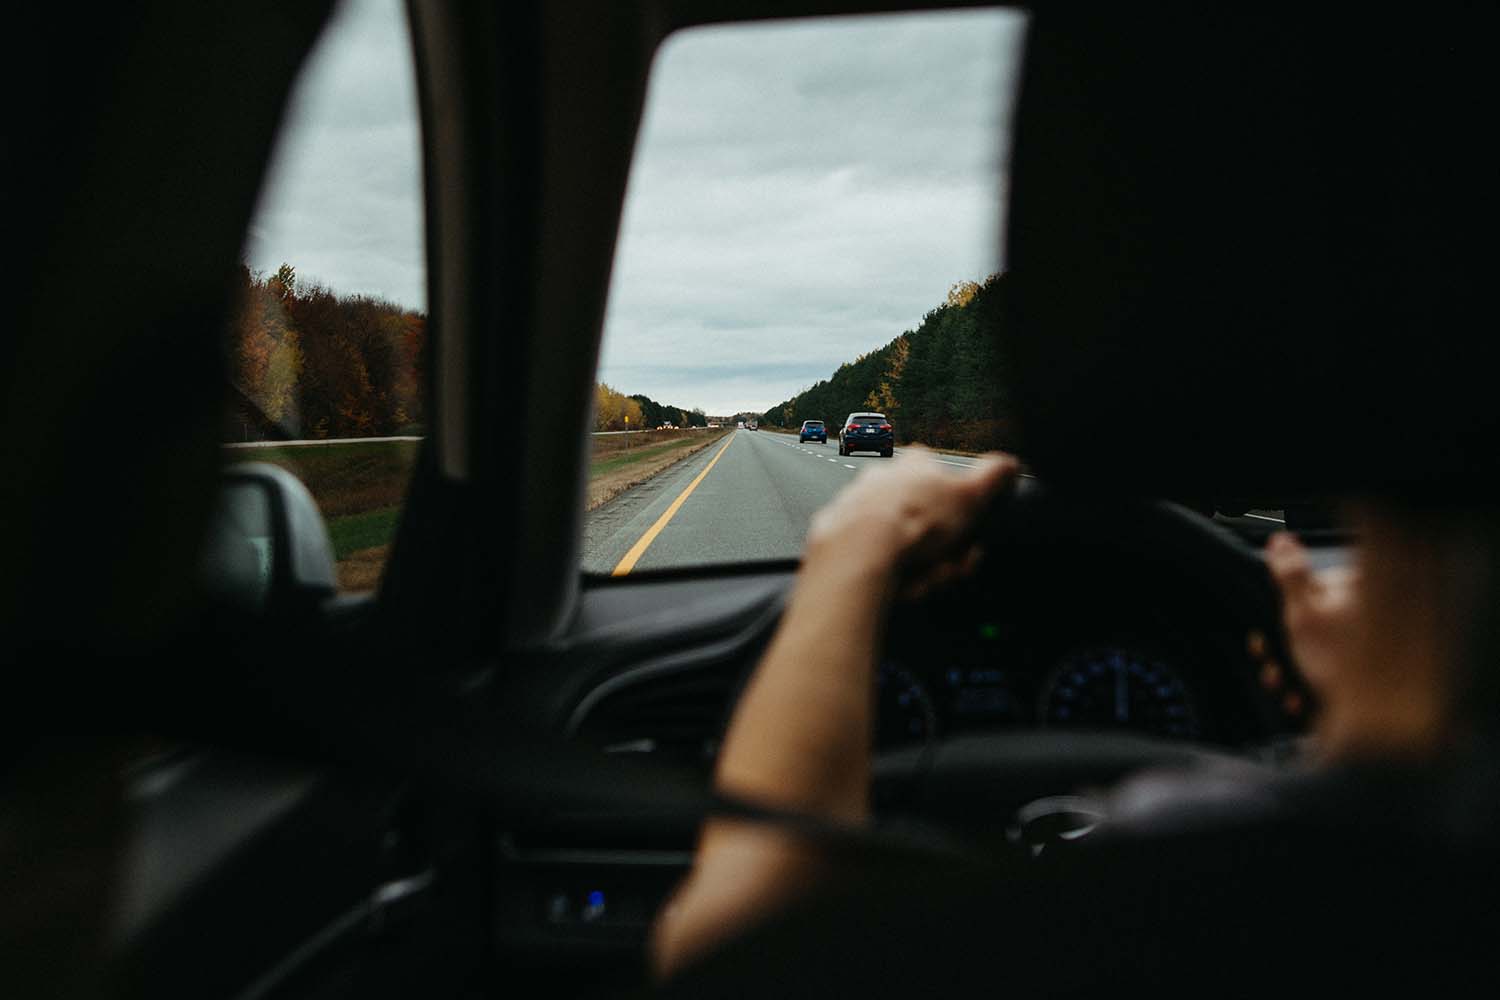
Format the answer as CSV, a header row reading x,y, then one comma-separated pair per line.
x,y
343,200
802,193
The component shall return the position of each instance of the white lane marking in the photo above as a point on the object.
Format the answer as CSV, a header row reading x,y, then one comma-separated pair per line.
x,y
961,465
834,461
1262,517
847,466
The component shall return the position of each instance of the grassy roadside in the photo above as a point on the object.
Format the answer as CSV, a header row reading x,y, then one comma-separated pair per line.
x,y
608,444
345,479
613,473
361,486
625,459
354,532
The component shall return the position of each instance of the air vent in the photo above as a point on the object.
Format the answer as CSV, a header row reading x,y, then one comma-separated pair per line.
x,y
681,715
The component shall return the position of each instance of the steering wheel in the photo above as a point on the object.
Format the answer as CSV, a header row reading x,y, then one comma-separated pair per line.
x,y
1027,778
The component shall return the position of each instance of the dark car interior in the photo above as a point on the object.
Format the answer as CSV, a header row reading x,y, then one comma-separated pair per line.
x,y
1246,249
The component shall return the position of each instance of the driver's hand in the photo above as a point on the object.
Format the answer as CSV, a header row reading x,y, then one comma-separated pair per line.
x,y
914,518
1321,613
800,736
1370,639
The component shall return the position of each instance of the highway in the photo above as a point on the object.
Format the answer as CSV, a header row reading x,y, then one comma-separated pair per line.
x,y
753,503
747,500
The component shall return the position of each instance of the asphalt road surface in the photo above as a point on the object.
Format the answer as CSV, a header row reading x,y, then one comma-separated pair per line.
x,y
754,503
746,500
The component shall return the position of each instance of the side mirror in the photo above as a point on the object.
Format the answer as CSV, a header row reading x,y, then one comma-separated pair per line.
x,y
268,549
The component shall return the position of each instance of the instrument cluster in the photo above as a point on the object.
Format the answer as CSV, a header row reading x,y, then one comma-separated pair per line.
x,y
997,675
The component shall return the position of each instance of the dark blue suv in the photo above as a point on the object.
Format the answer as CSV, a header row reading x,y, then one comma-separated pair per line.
x,y
812,430
867,432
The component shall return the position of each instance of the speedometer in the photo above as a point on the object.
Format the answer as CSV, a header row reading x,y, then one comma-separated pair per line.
x,y
1111,687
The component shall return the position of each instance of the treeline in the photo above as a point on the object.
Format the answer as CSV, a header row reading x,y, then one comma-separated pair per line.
x,y
657,414
309,363
939,383
612,408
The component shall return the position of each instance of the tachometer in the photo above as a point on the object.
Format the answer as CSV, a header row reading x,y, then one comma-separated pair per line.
x,y
1112,687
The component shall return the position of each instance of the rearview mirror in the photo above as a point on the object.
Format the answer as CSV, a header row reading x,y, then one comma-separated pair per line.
x,y
268,548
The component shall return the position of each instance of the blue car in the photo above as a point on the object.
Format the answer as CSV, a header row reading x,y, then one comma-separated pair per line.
x,y
813,430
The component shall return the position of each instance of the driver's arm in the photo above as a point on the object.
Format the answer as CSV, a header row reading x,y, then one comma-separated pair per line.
x,y
800,736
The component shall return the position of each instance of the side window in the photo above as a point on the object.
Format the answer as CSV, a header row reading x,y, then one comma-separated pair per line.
x,y
327,353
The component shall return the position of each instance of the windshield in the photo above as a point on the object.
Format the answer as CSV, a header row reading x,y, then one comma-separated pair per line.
x,y
811,230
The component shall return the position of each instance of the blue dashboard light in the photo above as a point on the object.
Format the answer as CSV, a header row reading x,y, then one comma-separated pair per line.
x,y
596,898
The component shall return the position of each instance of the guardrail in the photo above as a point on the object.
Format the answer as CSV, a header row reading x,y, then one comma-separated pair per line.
x,y
648,430
314,443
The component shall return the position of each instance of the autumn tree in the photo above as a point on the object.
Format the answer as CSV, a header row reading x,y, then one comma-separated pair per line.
x,y
318,364
283,284
611,408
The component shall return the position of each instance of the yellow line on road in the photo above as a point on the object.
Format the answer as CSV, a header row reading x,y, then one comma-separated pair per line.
x,y
639,548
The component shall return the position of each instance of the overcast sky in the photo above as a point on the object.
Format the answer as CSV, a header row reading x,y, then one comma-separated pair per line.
x,y
802,191
343,202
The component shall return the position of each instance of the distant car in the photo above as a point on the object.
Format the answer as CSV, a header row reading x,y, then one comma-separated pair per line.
x,y
867,432
739,424
813,430
754,426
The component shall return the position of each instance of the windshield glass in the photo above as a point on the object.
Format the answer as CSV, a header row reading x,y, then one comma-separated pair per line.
x,y
811,230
